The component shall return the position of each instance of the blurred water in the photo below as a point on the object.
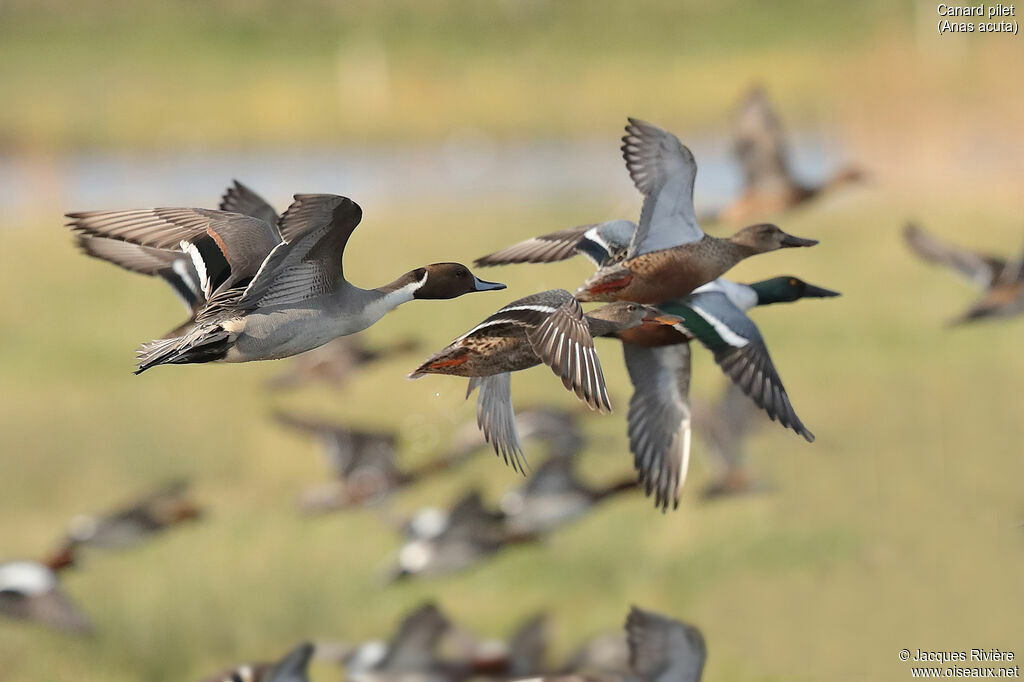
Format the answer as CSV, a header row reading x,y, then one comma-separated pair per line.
x,y
466,168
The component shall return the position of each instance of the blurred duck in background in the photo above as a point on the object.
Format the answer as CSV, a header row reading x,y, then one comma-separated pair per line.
x,y
336,362
557,428
291,668
364,465
412,653
30,591
654,648
725,426
440,542
152,513
549,328
1001,280
666,255
554,496
761,149
270,291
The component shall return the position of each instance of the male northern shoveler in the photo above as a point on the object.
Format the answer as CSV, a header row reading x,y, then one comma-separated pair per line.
x,y
668,255
548,328
1001,280
659,368
270,291
760,147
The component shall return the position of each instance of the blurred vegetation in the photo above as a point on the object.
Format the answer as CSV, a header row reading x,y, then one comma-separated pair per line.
x,y
159,74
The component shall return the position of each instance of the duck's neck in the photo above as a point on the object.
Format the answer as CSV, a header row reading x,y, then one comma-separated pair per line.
x,y
735,251
388,297
599,327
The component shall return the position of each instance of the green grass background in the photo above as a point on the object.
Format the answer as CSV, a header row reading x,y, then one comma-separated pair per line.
x,y
898,528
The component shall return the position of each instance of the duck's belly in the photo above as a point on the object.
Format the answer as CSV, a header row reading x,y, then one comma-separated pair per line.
x,y
271,335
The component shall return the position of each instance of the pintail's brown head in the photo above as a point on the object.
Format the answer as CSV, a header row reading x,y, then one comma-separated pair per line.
x,y
448,280
765,237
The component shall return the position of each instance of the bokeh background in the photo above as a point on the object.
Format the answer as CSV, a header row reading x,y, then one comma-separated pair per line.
x,y
461,127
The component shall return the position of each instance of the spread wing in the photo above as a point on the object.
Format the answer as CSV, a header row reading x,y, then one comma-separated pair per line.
x,y
664,171
240,199
661,648
601,243
562,341
225,248
740,350
496,418
309,263
659,418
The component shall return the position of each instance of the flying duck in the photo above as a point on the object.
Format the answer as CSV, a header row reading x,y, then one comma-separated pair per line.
x,y
270,291
548,328
554,496
660,649
1001,281
129,525
293,667
455,540
668,255
363,463
760,148
658,363
30,590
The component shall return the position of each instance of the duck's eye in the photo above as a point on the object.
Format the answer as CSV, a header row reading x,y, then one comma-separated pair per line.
x,y
792,282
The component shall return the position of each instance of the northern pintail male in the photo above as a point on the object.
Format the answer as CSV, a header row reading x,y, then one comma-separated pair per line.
x,y
668,254
271,291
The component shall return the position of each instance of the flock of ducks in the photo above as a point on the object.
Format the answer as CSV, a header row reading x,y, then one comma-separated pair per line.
x,y
264,286
260,285
429,647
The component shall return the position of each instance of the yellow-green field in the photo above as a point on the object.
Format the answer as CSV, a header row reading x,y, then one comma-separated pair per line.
x,y
899,528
